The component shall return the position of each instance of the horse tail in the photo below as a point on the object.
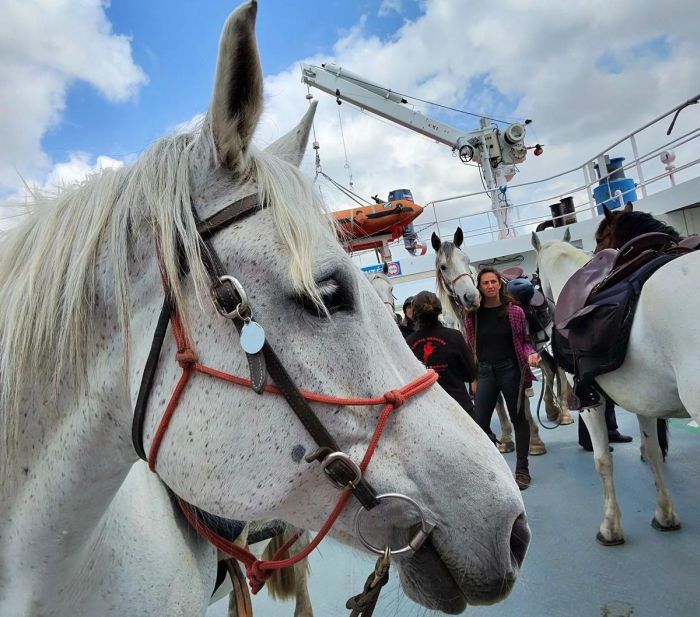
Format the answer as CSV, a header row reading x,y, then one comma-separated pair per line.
x,y
282,584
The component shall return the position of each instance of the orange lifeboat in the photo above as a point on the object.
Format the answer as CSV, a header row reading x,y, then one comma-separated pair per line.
x,y
368,226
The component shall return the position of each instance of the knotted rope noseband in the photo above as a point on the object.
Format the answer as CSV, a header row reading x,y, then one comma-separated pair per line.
x,y
231,302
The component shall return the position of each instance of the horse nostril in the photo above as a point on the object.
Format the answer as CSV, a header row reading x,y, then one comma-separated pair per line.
x,y
519,540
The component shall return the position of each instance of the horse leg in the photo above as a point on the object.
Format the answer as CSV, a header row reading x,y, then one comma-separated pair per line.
x,y
537,447
610,532
550,403
564,390
507,444
665,519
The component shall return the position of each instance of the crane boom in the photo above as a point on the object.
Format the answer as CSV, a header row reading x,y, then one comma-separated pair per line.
x,y
496,151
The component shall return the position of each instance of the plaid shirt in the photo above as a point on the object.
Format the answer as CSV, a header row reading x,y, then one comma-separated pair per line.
x,y
521,338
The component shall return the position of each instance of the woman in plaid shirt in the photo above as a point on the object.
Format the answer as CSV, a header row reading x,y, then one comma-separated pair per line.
x,y
498,336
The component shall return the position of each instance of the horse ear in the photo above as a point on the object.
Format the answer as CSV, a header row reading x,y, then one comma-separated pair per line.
x,y
536,244
567,236
609,216
458,237
435,241
628,207
237,99
292,146
385,268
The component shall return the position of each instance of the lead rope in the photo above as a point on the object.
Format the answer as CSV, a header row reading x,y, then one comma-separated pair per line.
x,y
363,604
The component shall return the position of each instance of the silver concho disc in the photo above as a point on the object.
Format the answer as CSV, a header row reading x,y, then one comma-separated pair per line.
x,y
252,337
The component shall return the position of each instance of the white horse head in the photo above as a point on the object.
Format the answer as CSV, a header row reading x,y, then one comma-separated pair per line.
x,y
455,276
382,284
80,294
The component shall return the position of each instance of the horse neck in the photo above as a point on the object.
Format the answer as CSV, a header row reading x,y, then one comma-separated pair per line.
x,y
560,269
456,311
70,451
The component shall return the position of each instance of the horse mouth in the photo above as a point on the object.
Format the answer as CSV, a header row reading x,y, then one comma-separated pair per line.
x,y
438,583
471,304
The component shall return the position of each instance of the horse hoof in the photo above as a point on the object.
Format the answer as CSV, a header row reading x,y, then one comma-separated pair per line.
x,y
537,450
604,542
566,420
658,526
506,447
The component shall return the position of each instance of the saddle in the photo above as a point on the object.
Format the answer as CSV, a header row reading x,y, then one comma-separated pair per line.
x,y
593,316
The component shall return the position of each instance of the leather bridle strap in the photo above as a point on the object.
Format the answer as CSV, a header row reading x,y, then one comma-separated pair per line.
x,y
149,373
261,364
227,300
459,276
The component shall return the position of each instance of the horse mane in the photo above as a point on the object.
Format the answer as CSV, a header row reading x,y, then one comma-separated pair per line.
x,y
451,310
629,225
49,264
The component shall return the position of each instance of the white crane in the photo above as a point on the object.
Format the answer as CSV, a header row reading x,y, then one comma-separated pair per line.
x,y
496,151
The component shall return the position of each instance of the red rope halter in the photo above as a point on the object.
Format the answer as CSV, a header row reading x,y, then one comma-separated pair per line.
x,y
257,570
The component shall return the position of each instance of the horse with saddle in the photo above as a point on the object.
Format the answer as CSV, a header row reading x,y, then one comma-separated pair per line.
x,y
594,313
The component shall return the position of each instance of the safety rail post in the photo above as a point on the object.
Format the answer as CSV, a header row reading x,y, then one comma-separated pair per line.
x,y
638,165
591,179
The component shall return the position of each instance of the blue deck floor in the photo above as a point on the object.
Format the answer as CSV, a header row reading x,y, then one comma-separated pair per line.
x,y
566,573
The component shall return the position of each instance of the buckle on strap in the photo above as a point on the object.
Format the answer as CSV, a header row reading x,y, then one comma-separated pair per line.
x,y
224,299
341,470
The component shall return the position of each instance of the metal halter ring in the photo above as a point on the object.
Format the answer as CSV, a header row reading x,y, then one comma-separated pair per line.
x,y
427,524
241,308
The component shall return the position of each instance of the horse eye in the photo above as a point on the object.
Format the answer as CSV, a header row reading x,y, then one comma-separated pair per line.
x,y
335,298
443,267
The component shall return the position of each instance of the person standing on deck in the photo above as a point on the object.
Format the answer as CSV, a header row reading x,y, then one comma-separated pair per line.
x,y
498,336
407,325
442,349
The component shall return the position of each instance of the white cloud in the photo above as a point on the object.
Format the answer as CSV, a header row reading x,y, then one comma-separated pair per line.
x,y
390,6
77,168
64,174
45,46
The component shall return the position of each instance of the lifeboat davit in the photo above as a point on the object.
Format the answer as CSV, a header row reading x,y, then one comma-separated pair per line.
x,y
366,227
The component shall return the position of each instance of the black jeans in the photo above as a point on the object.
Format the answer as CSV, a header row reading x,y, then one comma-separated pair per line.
x,y
502,377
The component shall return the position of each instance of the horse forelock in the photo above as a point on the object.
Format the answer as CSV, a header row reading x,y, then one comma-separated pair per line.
x,y
300,216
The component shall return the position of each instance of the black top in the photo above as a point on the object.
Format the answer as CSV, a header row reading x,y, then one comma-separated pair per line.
x,y
406,330
494,336
445,350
